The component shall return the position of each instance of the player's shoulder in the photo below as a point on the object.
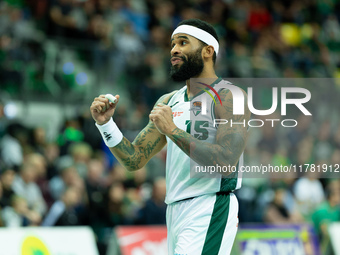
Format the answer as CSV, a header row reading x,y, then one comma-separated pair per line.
x,y
228,93
228,88
166,98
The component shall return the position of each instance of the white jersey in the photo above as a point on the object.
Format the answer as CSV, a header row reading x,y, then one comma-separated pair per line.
x,y
179,182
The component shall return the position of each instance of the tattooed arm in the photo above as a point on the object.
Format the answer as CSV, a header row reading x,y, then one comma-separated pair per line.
x,y
148,143
230,140
135,155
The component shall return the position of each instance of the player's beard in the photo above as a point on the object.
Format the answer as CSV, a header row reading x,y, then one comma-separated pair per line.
x,y
191,67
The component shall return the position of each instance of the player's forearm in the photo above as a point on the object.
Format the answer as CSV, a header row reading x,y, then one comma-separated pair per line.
x,y
135,155
207,154
132,156
128,155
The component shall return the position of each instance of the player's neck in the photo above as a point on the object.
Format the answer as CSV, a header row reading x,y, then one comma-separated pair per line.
x,y
208,75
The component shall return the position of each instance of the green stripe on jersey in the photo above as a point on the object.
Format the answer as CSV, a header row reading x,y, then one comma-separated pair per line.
x,y
217,225
229,182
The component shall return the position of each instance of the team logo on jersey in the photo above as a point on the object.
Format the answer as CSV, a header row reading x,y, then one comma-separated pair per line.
x,y
196,107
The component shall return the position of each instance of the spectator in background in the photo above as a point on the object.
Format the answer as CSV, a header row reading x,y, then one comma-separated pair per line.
x,y
60,15
116,207
81,154
96,186
323,147
136,179
24,186
14,215
242,66
326,213
89,131
78,14
51,153
18,214
116,17
155,168
64,211
154,209
68,177
21,28
136,189
129,51
164,14
69,134
38,139
99,30
304,151
297,134
117,174
39,164
309,193
269,141
259,17
11,145
16,33
278,213
6,180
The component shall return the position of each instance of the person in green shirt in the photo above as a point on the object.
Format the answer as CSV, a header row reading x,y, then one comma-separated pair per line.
x,y
326,213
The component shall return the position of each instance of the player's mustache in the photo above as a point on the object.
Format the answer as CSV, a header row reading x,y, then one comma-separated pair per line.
x,y
181,57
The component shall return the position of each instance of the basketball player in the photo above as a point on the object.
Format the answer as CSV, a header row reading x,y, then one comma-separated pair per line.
x,y
202,212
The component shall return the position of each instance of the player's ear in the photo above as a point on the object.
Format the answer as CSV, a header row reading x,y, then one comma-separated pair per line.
x,y
208,51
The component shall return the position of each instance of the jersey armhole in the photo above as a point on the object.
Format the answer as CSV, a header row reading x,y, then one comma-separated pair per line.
x,y
171,94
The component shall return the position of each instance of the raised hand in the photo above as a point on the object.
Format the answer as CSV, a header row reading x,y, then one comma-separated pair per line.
x,y
102,109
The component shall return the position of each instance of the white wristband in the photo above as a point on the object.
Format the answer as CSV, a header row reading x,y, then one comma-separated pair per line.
x,y
110,133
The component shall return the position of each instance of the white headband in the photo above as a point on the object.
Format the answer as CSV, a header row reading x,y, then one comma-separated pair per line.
x,y
199,34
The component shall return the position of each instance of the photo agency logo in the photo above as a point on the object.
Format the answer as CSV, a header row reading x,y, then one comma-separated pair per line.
x,y
295,96
197,105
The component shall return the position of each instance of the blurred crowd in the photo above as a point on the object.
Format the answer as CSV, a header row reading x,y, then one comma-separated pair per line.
x,y
74,180
126,42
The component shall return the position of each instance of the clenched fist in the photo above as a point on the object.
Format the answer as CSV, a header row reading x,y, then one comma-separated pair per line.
x,y
102,109
161,116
